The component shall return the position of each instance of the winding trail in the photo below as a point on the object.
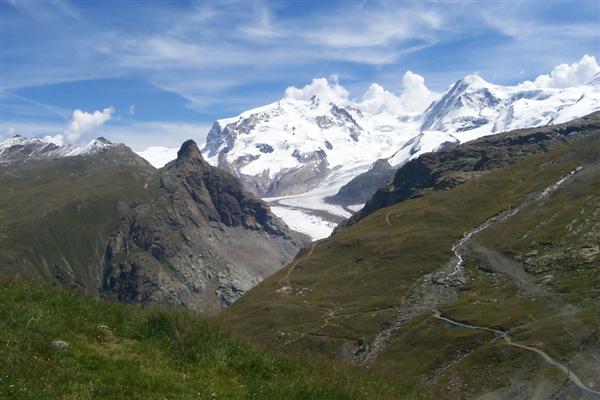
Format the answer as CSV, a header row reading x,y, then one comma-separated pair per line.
x,y
287,285
509,342
433,290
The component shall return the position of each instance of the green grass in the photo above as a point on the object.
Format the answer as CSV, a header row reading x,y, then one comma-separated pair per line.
x,y
121,351
55,215
371,265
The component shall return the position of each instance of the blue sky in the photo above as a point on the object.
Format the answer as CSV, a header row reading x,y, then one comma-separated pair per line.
x,y
163,71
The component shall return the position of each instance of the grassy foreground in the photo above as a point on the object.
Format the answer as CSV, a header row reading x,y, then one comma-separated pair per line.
x,y
117,351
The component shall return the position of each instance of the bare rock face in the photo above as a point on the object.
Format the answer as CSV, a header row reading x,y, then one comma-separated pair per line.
x,y
361,187
201,243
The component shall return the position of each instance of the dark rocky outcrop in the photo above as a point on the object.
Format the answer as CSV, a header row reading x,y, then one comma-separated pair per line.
x,y
361,187
201,243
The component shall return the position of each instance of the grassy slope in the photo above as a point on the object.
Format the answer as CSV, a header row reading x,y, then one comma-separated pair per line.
x,y
119,351
371,266
44,217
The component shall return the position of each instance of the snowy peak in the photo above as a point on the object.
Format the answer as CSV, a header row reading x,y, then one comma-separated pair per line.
x,y
96,146
318,129
463,106
290,146
595,81
474,81
19,148
472,107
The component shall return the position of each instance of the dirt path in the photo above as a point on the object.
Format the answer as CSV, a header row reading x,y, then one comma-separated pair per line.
x,y
387,218
431,291
286,285
509,342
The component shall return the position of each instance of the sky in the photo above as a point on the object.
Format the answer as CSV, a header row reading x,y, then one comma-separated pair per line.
x,y
157,73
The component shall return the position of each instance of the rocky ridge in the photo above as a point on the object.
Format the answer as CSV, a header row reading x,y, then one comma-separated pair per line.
x,y
106,222
202,226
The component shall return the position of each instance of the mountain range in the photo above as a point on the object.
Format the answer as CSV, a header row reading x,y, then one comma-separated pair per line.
x,y
317,155
300,151
471,270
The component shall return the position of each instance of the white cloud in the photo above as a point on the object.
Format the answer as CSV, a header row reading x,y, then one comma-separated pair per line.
x,y
140,135
131,109
58,140
85,122
262,28
376,100
47,11
566,75
415,95
158,156
321,88
371,27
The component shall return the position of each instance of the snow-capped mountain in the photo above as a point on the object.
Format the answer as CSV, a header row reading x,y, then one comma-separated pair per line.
x,y
306,146
292,145
18,148
472,107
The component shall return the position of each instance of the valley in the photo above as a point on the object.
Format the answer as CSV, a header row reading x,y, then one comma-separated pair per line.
x,y
109,224
299,200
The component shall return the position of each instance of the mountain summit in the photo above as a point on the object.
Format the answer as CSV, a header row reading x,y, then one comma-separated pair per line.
x,y
20,148
189,151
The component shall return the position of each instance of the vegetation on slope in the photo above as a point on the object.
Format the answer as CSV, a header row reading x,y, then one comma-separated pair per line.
x,y
119,351
354,285
56,214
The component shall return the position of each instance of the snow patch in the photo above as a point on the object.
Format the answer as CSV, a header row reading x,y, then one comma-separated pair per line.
x,y
158,156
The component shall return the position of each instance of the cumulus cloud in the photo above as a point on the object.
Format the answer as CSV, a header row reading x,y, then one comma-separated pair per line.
x,y
85,122
415,95
376,100
566,75
321,88
58,140
414,98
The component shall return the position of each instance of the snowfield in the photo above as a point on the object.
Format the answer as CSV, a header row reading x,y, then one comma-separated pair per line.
x,y
158,156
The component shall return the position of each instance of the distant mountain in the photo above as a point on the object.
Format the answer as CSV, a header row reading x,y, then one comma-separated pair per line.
x,y
473,107
446,169
309,146
292,145
19,148
108,223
